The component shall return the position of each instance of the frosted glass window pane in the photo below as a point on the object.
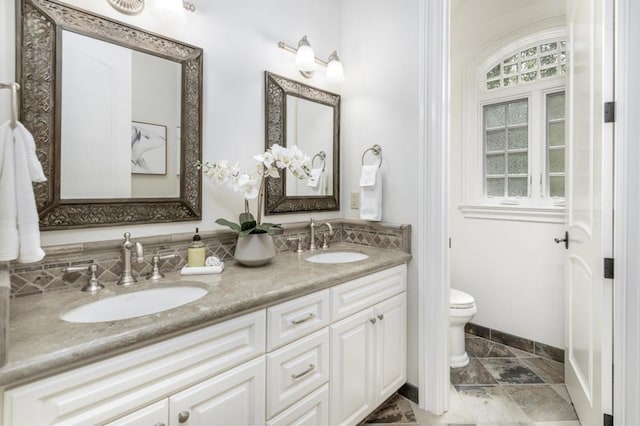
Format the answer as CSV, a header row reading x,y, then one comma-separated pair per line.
x,y
494,72
494,116
563,45
549,59
495,140
555,106
518,113
518,163
510,81
493,84
495,187
511,59
548,72
563,56
556,161
510,69
495,164
518,138
556,186
517,187
530,76
563,69
556,134
529,52
528,65
548,47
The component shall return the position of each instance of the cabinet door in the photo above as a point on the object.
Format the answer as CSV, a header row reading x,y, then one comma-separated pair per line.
x,y
152,415
352,369
236,397
391,342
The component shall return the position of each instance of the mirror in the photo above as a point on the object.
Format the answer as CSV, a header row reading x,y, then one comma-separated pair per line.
x,y
116,116
297,114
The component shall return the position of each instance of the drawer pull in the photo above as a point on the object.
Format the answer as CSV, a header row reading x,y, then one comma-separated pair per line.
x,y
381,317
159,424
372,320
183,416
305,372
304,319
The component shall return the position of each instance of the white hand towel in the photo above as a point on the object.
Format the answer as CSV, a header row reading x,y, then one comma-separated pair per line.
x,y
368,175
314,178
371,193
19,167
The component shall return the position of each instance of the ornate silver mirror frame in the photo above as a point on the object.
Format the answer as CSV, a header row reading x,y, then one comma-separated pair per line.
x,y
39,31
276,90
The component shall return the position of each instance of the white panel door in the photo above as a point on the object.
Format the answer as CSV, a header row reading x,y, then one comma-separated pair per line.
x,y
96,123
588,200
236,397
352,370
391,342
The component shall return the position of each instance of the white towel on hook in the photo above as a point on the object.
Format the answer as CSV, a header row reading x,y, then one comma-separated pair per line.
x,y
19,167
314,178
318,182
371,193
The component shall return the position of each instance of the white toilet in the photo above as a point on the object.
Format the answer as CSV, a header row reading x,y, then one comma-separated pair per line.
x,y
462,308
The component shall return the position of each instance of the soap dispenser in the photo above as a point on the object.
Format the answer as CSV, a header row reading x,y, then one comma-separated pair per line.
x,y
196,252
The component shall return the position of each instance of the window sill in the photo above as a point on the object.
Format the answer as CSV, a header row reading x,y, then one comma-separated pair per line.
x,y
550,214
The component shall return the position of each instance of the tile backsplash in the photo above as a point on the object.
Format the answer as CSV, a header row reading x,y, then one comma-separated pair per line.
x,y
47,276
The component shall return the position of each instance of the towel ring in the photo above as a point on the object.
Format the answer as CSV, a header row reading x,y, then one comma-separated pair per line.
x,y
377,150
323,157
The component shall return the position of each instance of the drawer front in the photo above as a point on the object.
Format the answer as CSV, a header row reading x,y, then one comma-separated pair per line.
x,y
362,293
155,414
312,410
296,370
107,389
291,320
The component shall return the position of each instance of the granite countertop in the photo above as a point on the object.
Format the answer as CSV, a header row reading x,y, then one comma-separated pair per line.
x,y
40,343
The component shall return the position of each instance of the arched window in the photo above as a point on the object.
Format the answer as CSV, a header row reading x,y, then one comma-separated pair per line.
x,y
514,129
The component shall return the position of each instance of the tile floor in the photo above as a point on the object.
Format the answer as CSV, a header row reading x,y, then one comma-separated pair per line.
x,y
501,386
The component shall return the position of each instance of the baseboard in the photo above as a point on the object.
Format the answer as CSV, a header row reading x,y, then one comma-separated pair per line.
x,y
521,343
409,391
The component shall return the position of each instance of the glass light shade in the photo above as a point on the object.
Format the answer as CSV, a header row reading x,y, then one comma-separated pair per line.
x,y
305,58
335,71
169,10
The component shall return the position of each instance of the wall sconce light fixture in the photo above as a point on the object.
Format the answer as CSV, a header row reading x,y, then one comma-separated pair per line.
x,y
166,8
306,60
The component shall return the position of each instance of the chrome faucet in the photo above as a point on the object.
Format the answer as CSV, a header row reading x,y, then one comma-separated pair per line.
x,y
127,277
312,243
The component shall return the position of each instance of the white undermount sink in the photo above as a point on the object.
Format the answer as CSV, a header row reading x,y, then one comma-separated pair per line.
x,y
337,257
134,304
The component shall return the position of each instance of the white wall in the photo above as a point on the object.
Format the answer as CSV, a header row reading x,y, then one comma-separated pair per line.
x,y
513,269
240,42
380,106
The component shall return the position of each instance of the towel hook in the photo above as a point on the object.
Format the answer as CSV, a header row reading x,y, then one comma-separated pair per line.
x,y
377,150
323,157
14,101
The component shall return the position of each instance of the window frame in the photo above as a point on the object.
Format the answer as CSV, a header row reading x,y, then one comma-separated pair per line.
x,y
537,207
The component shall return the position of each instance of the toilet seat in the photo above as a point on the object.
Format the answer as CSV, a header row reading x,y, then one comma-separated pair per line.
x,y
460,300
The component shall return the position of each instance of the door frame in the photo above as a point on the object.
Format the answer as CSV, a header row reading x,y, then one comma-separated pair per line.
x,y
433,211
626,291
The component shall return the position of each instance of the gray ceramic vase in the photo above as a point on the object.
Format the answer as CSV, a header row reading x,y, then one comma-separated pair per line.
x,y
255,249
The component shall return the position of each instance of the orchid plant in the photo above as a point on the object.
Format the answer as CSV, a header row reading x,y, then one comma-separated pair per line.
x,y
251,185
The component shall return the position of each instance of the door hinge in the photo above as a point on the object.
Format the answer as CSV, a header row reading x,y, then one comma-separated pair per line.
x,y
609,112
608,268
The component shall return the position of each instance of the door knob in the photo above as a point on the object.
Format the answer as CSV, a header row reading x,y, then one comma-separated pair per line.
x,y
564,240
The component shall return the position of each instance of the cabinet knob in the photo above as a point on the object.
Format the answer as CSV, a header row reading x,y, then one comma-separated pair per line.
x,y
159,424
183,416
381,317
372,320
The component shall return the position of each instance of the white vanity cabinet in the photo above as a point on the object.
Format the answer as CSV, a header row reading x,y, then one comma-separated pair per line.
x,y
329,357
368,348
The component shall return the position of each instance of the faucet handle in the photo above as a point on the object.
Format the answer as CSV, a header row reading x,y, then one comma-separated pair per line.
x,y
155,273
325,240
93,285
299,249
